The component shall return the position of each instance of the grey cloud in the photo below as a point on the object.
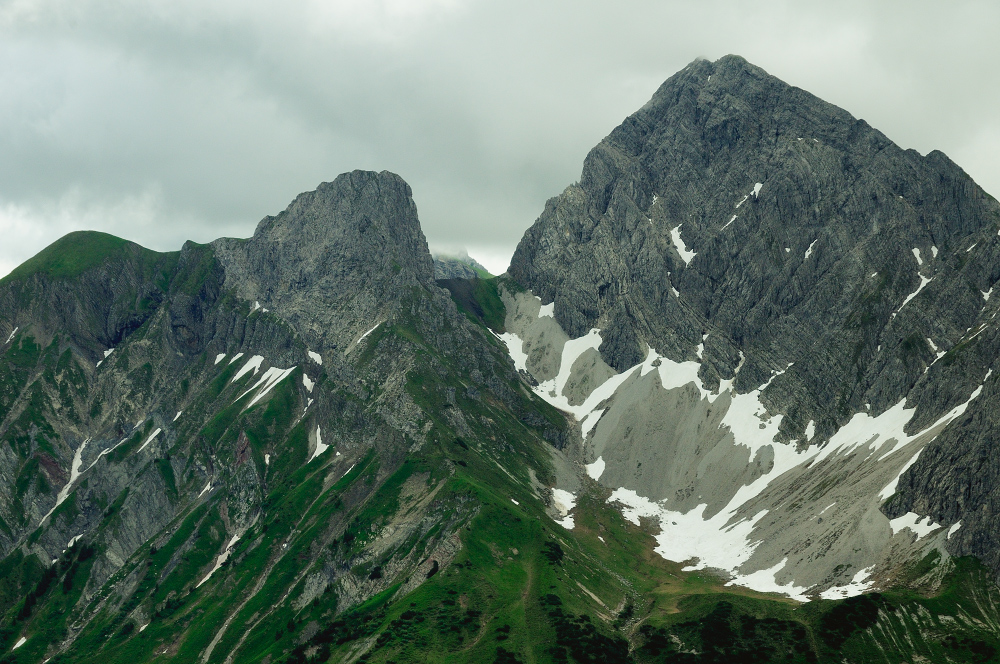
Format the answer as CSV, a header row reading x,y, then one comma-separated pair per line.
x,y
195,120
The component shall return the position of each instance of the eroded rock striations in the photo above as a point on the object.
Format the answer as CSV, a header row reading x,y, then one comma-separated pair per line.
x,y
790,308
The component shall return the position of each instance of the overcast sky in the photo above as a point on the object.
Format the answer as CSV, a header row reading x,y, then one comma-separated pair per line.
x,y
166,120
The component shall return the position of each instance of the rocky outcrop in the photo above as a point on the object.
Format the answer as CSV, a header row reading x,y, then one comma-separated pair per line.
x,y
737,211
754,244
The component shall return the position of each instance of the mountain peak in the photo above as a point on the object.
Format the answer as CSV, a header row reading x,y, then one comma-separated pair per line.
x,y
354,240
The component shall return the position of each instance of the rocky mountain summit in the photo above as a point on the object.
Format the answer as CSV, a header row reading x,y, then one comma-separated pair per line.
x,y
733,402
764,242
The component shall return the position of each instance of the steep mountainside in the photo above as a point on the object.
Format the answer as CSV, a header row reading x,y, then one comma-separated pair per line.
x,y
684,413
762,311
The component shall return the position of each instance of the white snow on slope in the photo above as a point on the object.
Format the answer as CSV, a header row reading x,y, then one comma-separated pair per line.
x,y
514,349
972,247
564,502
235,357
106,354
369,331
253,364
916,253
208,487
74,474
756,190
20,642
11,337
307,383
178,415
912,521
220,357
596,469
223,557
320,447
149,440
986,294
954,529
726,225
686,255
858,585
810,249
547,310
266,383
315,357
730,538
923,282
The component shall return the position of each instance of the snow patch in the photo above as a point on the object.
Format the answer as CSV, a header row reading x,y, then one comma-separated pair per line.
x,y
149,440
986,294
266,383
267,459
564,502
515,349
307,383
972,247
809,251
11,337
315,357
810,430
596,469
514,501
208,487
369,331
320,447
934,251
765,580
236,357
178,415
954,529
858,585
912,521
756,190
590,421
220,357
20,642
728,222
74,474
938,354
923,282
255,307
108,352
223,557
686,255
916,252
253,364
547,310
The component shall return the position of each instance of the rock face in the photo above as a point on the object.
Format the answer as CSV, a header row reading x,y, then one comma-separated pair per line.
x,y
776,224
350,247
216,428
785,301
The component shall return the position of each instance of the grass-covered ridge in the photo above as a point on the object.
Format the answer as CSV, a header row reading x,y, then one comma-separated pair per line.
x,y
75,253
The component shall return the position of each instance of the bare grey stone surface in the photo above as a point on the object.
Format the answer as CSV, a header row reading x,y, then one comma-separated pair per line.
x,y
790,233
